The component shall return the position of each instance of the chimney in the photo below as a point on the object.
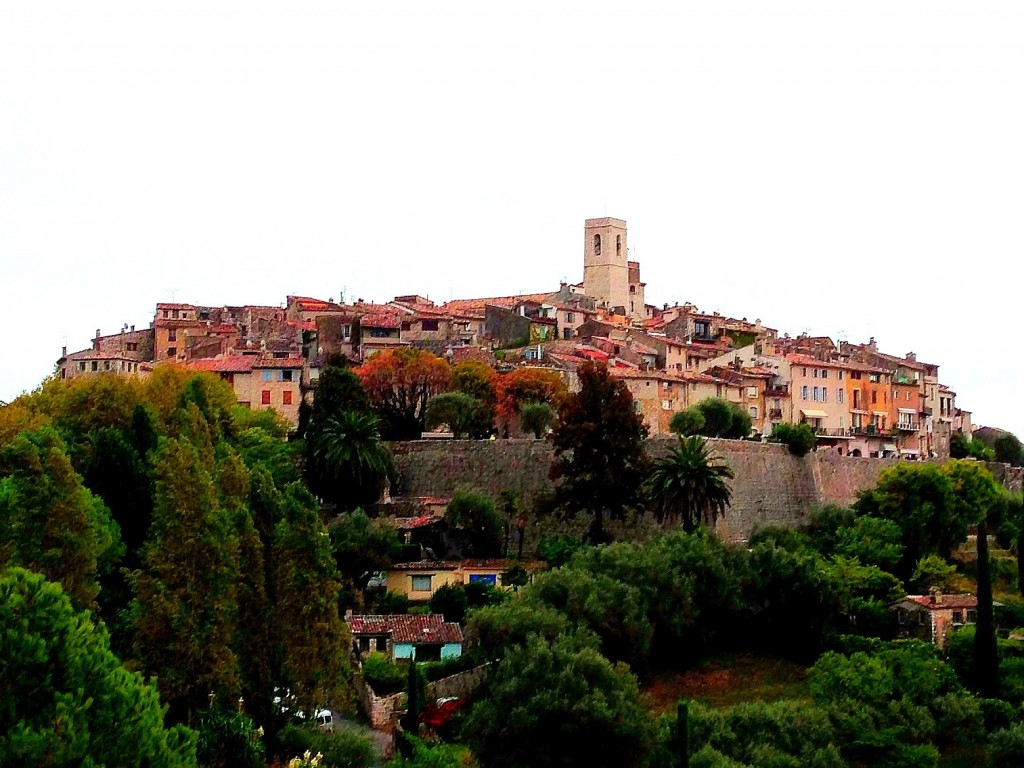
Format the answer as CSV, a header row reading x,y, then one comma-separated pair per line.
x,y
64,351
96,341
133,329
912,357
872,345
936,596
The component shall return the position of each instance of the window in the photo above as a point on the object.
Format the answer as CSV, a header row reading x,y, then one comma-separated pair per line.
x,y
570,317
266,375
751,391
81,366
172,351
824,373
874,397
805,373
814,372
958,617
95,365
840,375
483,578
382,644
133,346
618,245
266,397
840,395
817,394
753,411
286,397
636,406
172,334
666,405
430,325
286,375
174,314
824,394
567,333
106,365
597,245
421,583
803,392
364,644
972,616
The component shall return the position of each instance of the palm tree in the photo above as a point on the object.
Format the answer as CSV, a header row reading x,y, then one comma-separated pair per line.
x,y
690,483
350,455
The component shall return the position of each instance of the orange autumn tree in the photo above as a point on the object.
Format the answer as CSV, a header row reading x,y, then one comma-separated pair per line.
x,y
398,384
526,385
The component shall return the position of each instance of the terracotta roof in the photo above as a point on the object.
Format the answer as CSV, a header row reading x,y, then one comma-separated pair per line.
x,y
92,354
279,362
380,320
634,373
408,629
944,601
471,305
414,523
163,305
494,564
227,364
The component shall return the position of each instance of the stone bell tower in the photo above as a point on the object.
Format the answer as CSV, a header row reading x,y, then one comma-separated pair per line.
x,y
605,267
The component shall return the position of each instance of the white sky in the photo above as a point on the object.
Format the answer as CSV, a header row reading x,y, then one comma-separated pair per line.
x,y
852,169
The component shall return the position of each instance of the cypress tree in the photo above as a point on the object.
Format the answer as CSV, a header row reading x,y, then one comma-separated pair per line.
x,y
986,654
411,721
683,733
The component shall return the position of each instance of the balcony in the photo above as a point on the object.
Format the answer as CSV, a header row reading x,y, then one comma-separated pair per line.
x,y
833,432
907,426
775,413
777,392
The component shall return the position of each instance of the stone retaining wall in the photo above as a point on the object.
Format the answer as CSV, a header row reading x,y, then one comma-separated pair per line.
x,y
771,485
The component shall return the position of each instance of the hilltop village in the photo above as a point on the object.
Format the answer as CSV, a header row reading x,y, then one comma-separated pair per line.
x,y
859,400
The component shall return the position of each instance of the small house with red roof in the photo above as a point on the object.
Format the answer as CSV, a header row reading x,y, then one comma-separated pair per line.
x,y
932,617
423,638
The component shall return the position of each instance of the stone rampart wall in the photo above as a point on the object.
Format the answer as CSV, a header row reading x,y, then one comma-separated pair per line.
x,y
771,487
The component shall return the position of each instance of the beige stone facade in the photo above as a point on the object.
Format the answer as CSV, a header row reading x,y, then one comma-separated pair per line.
x,y
605,263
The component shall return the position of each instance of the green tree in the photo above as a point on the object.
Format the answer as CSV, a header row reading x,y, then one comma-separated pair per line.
x,y
398,384
723,419
690,485
1008,449
477,379
459,411
186,593
49,521
337,390
688,422
599,452
353,464
492,631
362,546
538,689
919,498
986,654
451,602
414,700
613,611
66,699
799,438
932,571
311,634
472,513
873,541
536,418
229,739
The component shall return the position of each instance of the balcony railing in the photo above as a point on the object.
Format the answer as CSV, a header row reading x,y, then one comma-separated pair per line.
x,y
777,392
775,413
907,426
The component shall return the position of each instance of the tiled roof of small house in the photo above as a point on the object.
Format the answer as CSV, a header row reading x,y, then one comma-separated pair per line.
x,y
944,601
414,523
279,362
407,629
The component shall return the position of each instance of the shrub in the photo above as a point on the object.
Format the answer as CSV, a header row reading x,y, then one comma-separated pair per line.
x,y
557,550
382,674
1007,747
932,571
799,438
228,738
392,602
345,748
456,409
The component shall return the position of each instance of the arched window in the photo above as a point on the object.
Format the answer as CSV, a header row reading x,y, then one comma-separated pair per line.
x,y
618,245
597,245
